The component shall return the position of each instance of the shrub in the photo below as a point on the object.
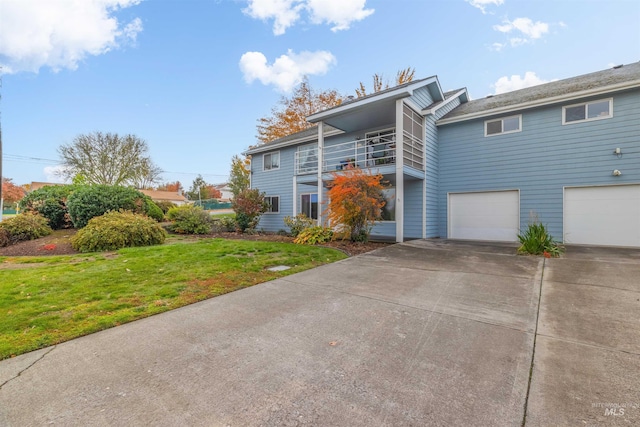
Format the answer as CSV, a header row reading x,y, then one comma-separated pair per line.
x,y
153,210
189,219
224,224
118,229
51,203
314,235
298,223
91,201
27,226
5,238
355,202
165,205
536,240
248,206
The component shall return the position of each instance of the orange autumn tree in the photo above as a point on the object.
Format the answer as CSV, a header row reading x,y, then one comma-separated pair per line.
x,y
11,193
292,115
356,201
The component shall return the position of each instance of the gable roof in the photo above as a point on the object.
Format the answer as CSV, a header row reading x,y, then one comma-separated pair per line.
x,y
171,196
613,79
307,135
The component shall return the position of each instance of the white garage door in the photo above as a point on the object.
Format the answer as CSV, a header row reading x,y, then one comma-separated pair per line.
x,y
492,215
607,216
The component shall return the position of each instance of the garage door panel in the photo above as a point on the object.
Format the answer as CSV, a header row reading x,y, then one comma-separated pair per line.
x,y
493,215
608,215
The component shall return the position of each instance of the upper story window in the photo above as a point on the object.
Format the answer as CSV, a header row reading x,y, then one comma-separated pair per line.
x,y
274,204
595,110
504,125
307,158
271,161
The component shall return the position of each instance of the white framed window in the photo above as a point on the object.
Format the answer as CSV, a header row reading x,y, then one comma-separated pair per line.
x,y
271,161
504,125
274,204
309,205
587,111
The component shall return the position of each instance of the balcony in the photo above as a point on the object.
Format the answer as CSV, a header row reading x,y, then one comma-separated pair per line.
x,y
363,153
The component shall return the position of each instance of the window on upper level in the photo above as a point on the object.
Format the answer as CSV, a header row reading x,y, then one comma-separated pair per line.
x,y
307,158
274,204
504,125
587,111
271,161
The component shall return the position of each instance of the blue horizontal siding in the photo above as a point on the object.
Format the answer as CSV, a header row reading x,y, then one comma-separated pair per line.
x,y
541,159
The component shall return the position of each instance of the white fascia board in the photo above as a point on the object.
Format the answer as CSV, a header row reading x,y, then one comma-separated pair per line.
x,y
270,147
541,102
358,104
428,111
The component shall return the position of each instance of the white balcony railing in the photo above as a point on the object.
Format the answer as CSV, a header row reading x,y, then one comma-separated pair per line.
x,y
362,153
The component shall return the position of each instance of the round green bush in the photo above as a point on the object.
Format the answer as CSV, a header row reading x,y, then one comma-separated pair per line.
x,y
26,226
153,210
189,219
116,230
95,200
165,205
51,203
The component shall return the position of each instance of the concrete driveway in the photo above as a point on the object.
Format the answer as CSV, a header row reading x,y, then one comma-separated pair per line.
x,y
421,333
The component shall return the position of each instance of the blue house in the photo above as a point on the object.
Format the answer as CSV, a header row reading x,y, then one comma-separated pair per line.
x,y
565,152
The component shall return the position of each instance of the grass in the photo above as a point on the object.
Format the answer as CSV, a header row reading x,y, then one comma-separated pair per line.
x,y
48,300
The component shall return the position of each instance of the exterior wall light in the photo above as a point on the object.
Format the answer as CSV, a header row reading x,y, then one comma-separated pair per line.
x,y
616,172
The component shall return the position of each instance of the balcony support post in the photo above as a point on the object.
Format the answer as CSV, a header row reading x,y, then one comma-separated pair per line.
x,y
399,171
320,168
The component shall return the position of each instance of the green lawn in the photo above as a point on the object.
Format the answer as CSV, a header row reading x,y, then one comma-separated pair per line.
x,y
48,300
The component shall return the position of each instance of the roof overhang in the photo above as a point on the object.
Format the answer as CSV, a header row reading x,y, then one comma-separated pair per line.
x,y
371,111
603,90
277,145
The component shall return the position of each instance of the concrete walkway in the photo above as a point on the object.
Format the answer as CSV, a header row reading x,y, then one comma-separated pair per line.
x,y
422,333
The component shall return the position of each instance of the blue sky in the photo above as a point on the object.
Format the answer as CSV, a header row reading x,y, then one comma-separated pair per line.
x,y
192,77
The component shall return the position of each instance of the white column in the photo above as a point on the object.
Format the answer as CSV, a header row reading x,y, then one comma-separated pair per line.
x,y
399,172
295,197
424,177
320,167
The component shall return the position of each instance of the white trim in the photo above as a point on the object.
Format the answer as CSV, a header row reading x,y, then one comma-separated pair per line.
x,y
541,102
276,212
586,112
502,119
452,98
295,193
272,168
320,167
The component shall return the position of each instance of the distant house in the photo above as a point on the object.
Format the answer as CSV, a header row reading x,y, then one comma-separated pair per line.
x,y
568,151
35,185
225,191
168,196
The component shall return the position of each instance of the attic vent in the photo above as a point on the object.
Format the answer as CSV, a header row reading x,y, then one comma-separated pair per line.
x,y
615,67
489,96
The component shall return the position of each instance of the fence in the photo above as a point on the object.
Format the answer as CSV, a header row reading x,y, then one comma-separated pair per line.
x,y
212,204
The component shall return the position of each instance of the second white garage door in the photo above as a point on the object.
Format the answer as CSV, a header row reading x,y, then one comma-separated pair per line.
x,y
491,215
608,215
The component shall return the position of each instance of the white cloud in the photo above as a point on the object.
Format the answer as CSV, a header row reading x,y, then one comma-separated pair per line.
x,y
61,33
285,13
340,13
482,4
55,174
515,82
528,30
287,70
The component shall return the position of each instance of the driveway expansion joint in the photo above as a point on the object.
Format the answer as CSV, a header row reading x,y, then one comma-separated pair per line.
x,y
28,367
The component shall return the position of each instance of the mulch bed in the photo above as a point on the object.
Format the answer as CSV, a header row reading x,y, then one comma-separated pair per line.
x,y
58,244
